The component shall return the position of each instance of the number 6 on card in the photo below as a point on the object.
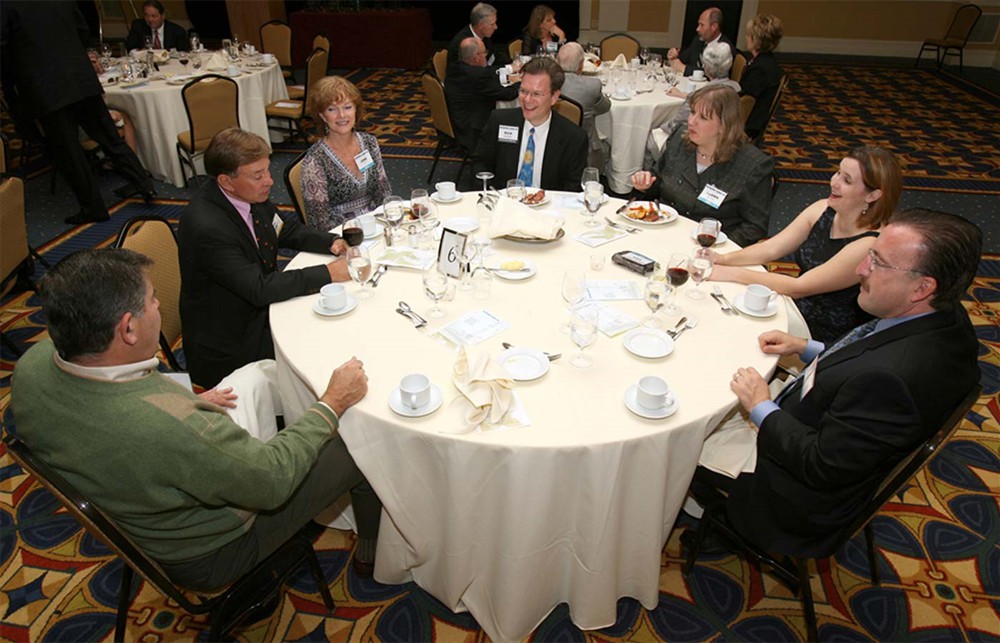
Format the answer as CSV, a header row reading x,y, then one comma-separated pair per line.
x,y
450,252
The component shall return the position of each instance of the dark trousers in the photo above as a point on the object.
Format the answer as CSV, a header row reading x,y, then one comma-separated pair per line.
x,y
334,473
62,136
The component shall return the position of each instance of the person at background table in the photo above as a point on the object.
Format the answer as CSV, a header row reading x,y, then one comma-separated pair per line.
x,y
717,60
472,92
530,142
342,173
482,25
828,239
193,489
708,169
830,438
47,77
228,241
709,29
762,75
541,34
154,25
585,90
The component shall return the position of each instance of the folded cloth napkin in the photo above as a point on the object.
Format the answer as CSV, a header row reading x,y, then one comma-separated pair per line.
x,y
511,217
159,55
619,62
217,62
486,385
732,448
591,63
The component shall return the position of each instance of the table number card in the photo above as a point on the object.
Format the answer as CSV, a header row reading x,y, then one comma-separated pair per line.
x,y
450,252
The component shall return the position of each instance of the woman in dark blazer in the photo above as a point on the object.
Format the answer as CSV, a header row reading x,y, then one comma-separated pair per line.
x,y
540,31
711,150
762,74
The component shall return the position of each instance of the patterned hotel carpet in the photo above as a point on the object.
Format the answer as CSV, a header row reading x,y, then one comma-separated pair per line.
x,y
938,551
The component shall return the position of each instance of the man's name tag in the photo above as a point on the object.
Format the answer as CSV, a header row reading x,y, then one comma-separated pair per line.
x,y
277,223
508,134
364,160
808,378
712,196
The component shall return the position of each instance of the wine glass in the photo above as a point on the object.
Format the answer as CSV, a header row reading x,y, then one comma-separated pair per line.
x,y
465,259
353,233
435,286
583,332
701,268
183,59
574,289
428,221
359,267
516,190
593,195
196,61
485,177
677,275
589,174
655,293
644,55
392,208
708,232
419,200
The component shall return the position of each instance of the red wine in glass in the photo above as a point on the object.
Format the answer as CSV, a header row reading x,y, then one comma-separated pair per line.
x,y
706,240
354,236
677,276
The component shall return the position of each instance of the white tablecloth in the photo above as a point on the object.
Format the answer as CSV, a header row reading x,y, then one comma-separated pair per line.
x,y
575,508
158,112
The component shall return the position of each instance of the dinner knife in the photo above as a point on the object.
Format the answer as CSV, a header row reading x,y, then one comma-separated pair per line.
x,y
378,275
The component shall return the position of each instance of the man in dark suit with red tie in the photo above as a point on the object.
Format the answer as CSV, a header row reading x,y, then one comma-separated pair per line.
x,y
154,25
228,242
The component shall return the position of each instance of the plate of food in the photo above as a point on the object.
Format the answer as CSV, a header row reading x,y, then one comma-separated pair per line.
x,y
536,198
646,213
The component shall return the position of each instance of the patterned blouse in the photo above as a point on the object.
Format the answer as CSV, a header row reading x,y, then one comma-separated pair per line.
x,y
333,194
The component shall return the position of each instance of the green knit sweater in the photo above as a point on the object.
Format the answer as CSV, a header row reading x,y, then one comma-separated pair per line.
x,y
176,473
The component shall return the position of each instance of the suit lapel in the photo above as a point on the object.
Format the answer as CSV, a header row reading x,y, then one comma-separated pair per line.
x,y
217,197
906,329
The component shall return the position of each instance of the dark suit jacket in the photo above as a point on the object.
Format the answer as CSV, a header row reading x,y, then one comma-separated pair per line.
x,y
691,56
174,36
760,80
746,178
565,152
819,459
472,93
226,287
499,55
44,57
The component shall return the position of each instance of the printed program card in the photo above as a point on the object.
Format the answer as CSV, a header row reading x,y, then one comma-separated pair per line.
x,y
610,320
471,328
613,290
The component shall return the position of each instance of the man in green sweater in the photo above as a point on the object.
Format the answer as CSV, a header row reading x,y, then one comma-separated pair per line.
x,y
193,489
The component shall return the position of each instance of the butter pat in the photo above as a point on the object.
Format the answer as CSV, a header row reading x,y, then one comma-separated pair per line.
x,y
512,265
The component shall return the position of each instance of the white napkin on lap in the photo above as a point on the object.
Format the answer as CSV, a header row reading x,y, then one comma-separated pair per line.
x,y
217,62
513,218
486,385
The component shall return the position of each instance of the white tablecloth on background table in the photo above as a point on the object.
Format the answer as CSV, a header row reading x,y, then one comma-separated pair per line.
x,y
575,508
158,112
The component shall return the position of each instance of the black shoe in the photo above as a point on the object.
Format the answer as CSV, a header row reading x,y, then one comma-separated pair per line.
x,y
149,195
82,219
714,543
126,191
363,569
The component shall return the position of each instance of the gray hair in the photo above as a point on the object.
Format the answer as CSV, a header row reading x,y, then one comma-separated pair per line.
x,y
481,12
570,57
717,59
468,49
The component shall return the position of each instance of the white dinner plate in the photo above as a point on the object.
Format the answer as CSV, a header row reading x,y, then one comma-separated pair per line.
x,y
667,214
652,414
524,364
397,406
770,311
439,199
619,97
649,343
181,80
379,229
349,305
463,225
722,238
514,275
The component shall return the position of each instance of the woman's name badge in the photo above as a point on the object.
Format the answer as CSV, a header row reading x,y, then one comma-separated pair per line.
x,y
712,196
508,134
364,161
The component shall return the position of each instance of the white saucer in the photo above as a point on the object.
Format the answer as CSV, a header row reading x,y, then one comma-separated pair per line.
x,y
350,305
379,229
722,238
516,275
770,311
653,414
524,364
397,406
462,224
181,80
619,97
649,343
435,197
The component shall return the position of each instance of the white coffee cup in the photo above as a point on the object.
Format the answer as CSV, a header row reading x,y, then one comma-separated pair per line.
x,y
446,190
758,297
698,74
333,296
415,390
367,222
268,58
652,392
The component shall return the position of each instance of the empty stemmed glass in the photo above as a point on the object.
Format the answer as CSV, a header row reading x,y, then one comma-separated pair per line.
x,y
359,267
465,259
655,293
583,332
644,54
428,221
516,190
392,209
195,42
701,268
593,195
435,287
574,289
589,174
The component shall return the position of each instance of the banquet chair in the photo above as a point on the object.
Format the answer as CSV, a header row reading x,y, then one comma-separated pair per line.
x,y
958,35
16,256
211,103
570,109
315,69
227,608
152,236
321,41
619,43
276,38
440,62
739,64
793,571
746,106
514,48
293,183
782,84
434,90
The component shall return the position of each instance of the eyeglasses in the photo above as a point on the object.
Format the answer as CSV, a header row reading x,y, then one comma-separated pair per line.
x,y
878,264
524,92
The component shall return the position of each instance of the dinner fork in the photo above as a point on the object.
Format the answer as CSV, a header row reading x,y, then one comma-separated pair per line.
x,y
622,226
727,305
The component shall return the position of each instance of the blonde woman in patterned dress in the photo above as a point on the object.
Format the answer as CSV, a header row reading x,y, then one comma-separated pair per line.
x,y
342,174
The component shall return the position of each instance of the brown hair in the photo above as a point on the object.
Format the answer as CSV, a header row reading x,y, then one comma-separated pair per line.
x,y
545,65
721,101
232,148
538,15
879,171
335,89
766,31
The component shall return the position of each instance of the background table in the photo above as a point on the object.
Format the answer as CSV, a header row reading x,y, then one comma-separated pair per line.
x,y
158,112
575,508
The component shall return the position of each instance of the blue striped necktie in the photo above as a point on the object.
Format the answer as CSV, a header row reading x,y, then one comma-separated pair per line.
x,y
860,332
527,172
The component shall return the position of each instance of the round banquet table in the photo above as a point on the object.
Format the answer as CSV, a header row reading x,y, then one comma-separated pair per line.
x,y
574,508
157,109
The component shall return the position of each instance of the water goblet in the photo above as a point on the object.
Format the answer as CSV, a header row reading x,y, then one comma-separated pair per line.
x,y
655,294
359,267
428,222
593,195
589,174
516,190
435,287
644,54
392,208
701,268
583,332
574,289
196,61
